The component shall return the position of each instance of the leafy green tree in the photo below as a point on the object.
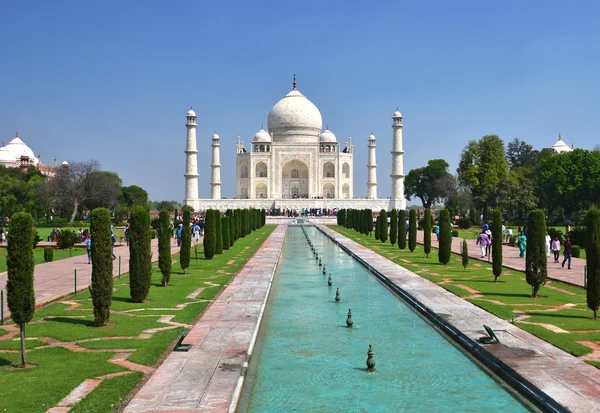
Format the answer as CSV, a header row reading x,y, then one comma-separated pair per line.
x,y
383,235
164,246
225,230
140,253
102,265
445,246
427,232
210,236
497,244
464,253
402,229
412,230
219,232
592,253
393,226
535,255
421,182
19,284
186,239
482,169
134,195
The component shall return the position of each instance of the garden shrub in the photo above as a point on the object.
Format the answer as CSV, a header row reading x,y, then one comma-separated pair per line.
x,y
497,244
66,239
512,241
383,230
454,233
592,224
445,245
140,253
186,239
48,254
101,288
464,223
402,229
219,230
536,261
393,226
412,230
578,236
427,232
164,246
576,251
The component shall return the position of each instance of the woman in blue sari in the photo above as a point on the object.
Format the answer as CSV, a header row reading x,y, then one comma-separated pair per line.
x,y
522,244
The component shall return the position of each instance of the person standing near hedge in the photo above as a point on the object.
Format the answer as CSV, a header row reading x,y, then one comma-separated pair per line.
x,y
482,241
522,244
568,253
556,249
548,239
88,248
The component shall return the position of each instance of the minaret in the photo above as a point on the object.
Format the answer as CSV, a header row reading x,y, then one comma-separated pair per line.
x,y
191,159
397,175
215,182
372,167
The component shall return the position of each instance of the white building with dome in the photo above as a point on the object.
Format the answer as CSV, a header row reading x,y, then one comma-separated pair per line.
x,y
16,154
560,146
295,164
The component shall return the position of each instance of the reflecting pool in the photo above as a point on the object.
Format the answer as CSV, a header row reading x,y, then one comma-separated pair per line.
x,y
307,360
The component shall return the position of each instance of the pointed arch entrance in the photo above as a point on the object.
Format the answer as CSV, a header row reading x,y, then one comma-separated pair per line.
x,y
294,179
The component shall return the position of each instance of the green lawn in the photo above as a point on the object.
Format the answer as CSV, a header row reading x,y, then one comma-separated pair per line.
x,y
38,255
59,370
560,305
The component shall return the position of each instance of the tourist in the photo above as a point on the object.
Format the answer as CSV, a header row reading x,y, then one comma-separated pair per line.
x,y
568,253
556,249
522,244
126,231
437,232
88,248
488,249
196,231
548,239
113,239
482,241
178,234
485,226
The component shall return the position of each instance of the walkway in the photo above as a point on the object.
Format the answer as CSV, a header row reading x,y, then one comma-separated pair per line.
x,y
510,259
55,279
568,380
210,376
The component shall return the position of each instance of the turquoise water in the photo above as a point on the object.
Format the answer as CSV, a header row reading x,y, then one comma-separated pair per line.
x,y
308,361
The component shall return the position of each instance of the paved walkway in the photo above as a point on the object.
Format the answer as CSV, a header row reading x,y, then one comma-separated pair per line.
x,y
567,379
55,279
209,376
510,259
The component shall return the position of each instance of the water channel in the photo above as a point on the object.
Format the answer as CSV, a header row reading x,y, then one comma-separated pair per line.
x,y
307,360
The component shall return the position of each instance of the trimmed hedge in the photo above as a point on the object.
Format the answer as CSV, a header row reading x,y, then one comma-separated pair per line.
x,y
412,230
48,254
140,253
576,249
445,245
186,239
536,261
497,244
210,236
164,246
427,232
402,229
592,256
225,230
393,226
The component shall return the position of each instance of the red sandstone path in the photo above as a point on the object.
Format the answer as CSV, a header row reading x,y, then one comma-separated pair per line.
x,y
510,259
56,279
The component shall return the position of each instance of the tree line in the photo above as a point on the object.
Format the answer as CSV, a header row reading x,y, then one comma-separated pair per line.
x,y
66,193
517,179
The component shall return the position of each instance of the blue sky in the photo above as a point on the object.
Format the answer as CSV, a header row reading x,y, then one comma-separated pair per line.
x,y
112,80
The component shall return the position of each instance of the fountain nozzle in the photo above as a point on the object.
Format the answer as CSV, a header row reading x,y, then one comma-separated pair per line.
x,y
329,282
337,295
370,360
349,321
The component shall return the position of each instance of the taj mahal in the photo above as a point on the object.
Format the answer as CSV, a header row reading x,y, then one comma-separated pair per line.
x,y
295,164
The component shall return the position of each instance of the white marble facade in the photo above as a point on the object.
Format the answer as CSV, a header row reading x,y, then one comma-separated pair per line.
x,y
294,160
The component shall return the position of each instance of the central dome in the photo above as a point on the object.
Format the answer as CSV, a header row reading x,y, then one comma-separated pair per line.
x,y
295,118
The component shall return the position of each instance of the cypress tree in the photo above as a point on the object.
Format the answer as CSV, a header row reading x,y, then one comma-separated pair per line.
x,y
377,227
140,253
369,221
497,244
210,236
535,254
101,288
164,246
20,294
412,230
445,246
253,219
465,254
264,217
231,225
218,232
402,229
186,239
244,213
383,234
225,229
592,256
393,226
364,228
237,223
340,217
427,232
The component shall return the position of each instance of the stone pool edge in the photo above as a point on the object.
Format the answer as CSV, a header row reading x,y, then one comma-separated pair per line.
x,y
463,322
208,376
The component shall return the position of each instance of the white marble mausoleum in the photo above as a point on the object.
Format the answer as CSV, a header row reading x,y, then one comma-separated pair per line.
x,y
295,164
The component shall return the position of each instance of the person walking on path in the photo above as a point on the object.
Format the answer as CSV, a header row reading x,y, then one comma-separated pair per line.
x,y
88,248
488,249
437,232
568,253
482,241
548,239
556,249
178,234
522,244
113,240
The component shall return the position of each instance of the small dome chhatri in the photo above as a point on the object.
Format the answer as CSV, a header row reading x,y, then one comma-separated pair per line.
x,y
262,136
397,115
328,136
18,148
191,113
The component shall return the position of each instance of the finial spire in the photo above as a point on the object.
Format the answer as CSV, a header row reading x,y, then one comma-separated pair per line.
x,y
262,126
294,83
559,138
17,134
